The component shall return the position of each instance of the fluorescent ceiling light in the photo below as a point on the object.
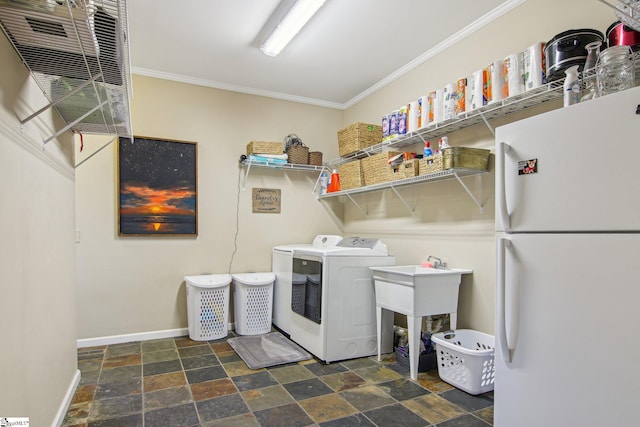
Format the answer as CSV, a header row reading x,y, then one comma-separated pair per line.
x,y
299,14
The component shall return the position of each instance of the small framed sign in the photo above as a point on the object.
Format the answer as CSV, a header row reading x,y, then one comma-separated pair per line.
x,y
266,200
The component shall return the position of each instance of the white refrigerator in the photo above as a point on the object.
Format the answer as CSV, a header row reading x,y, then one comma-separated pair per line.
x,y
568,266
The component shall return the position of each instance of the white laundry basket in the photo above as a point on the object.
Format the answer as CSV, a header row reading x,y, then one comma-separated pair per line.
x,y
466,359
253,302
208,306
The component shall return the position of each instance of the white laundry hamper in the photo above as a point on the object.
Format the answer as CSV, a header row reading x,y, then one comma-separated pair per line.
x,y
208,306
466,359
253,302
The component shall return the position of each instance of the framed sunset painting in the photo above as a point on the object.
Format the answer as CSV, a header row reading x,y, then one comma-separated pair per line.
x,y
157,187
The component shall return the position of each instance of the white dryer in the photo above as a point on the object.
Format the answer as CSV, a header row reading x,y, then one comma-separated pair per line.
x,y
281,266
334,309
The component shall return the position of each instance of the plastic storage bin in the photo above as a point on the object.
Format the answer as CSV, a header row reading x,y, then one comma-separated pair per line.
x,y
466,359
208,306
426,362
253,302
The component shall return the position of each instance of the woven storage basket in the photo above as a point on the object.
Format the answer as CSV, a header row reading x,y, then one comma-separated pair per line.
x,y
351,175
298,154
263,147
358,136
466,158
410,168
315,158
376,170
431,164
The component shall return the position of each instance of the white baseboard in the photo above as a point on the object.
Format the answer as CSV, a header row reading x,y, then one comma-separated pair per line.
x,y
68,398
142,336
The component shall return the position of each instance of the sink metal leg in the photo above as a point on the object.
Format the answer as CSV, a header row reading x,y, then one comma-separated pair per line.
x,y
453,321
415,324
379,330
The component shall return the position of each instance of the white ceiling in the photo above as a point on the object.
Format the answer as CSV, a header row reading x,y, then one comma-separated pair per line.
x,y
348,49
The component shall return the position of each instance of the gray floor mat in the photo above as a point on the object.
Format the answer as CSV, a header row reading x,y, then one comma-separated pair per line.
x,y
261,351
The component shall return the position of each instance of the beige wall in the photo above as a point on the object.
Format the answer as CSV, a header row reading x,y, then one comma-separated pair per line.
x,y
134,285
446,222
129,285
38,368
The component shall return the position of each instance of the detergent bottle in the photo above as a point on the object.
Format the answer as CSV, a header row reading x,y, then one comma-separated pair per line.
x,y
427,149
324,182
334,183
444,143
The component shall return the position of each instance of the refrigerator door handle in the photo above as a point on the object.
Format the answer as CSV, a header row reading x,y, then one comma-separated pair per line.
x,y
501,329
502,148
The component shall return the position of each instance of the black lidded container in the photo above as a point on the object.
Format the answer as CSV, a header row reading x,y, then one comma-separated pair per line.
x,y
568,49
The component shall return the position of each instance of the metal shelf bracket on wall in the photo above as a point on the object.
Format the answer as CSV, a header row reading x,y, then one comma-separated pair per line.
x,y
96,152
246,173
412,211
357,205
486,122
475,200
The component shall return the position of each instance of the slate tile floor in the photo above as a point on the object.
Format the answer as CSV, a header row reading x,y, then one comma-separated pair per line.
x,y
177,382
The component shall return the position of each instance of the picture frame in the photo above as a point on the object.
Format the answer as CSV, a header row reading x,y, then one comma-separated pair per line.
x,y
266,200
157,187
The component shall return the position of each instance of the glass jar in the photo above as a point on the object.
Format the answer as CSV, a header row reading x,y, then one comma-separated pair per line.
x,y
614,70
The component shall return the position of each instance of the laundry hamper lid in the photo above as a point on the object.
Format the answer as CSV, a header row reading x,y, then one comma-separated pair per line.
x,y
254,279
209,280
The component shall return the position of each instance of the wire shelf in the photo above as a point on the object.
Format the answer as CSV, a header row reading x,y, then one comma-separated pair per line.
x,y
453,173
277,165
513,104
77,51
547,92
248,164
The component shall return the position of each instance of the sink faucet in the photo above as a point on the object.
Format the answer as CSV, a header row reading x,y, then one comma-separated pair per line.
x,y
438,262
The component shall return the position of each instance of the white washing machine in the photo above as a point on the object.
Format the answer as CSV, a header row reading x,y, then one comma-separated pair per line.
x,y
334,309
281,266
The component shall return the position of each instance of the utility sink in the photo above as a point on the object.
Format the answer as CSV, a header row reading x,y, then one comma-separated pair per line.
x,y
415,273
416,291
